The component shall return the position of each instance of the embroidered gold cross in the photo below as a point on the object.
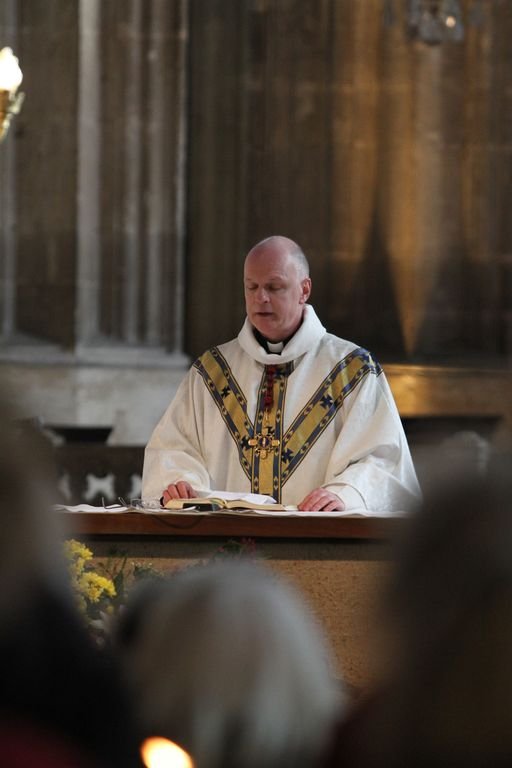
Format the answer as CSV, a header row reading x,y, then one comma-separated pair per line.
x,y
264,443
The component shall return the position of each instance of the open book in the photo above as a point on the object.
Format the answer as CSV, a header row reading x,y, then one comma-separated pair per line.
x,y
223,500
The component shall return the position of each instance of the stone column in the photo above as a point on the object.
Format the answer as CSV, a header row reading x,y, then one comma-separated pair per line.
x,y
89,246
133,84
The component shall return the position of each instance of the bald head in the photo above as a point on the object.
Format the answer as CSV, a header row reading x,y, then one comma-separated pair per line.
x,y
283,246
277,285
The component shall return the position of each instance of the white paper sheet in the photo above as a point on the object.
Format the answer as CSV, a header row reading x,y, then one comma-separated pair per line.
x,y
270,512
89,508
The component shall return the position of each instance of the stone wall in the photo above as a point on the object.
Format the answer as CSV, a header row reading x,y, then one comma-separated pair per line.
x,y
159,139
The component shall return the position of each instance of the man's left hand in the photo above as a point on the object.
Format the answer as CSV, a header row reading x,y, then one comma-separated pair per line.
x,y
321,500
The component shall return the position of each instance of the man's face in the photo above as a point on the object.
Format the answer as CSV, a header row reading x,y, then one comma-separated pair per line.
x,y
275,292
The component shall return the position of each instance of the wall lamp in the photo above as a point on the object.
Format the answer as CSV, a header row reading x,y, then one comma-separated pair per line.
x,y
10,80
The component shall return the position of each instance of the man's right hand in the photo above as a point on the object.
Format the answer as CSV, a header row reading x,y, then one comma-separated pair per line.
x,y
179,490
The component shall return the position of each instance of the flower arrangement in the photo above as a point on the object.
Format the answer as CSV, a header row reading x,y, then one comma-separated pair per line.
x,y
101,588
93,591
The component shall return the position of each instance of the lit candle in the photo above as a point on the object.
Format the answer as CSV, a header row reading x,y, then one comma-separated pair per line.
x,y
158,752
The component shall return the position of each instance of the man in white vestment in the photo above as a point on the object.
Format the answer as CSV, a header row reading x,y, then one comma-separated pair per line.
x,y
285,409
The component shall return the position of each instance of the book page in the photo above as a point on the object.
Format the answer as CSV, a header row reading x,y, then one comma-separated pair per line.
x,y
218,504
253,498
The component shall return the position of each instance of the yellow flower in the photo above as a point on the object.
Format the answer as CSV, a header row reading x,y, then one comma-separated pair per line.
x,y
94,587
77,555
75,550
99,593
90,588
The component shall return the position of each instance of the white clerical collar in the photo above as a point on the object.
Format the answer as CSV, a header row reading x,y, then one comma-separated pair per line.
x,y
275,348
306,337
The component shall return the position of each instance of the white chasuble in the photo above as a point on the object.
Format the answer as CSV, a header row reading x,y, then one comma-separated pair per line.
x,y
321,413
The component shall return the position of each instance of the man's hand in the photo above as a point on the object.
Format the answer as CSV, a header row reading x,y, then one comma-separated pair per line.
x,y
179,490
321,499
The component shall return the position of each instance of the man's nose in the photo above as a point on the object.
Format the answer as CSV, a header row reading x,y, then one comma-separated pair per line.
x,y
261,295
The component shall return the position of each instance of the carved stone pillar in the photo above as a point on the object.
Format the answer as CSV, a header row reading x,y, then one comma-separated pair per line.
x,y
93,184
89,245
137,61
92,212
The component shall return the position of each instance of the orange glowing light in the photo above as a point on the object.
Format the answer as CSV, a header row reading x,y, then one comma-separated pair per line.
x,y
158,752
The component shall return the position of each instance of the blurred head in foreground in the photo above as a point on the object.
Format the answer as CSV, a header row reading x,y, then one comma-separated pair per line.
x,y
61,701
30,550
226,661
447,699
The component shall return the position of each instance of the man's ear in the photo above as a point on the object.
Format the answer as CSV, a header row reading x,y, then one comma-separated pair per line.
x,y
306,290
